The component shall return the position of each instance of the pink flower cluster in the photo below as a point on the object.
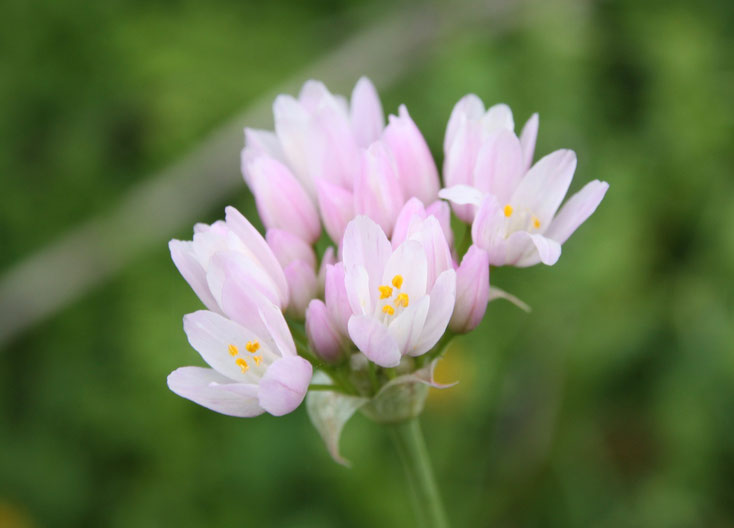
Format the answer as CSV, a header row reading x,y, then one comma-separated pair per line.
x,y
391,283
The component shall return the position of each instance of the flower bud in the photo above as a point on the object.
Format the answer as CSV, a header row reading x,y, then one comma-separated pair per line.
x,y
322,336
472,290
377,193
335,296
337,208
366,113
416,169
281,200
302,285
287,247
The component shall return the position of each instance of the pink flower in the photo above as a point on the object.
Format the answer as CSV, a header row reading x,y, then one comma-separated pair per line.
x,y
415,166
472,291
254,366
231,249
482,151
377,191
397,309
524,229
298,261
327,320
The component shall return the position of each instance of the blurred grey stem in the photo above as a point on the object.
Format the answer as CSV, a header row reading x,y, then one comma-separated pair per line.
x,y
408,439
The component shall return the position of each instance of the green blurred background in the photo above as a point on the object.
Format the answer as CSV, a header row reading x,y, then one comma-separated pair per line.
x,y
611,404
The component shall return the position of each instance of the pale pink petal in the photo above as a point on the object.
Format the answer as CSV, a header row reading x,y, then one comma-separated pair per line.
x,y
246,270
303,286
499,165
359,293
299,141
374,340
487,228
416,169
442,211
407,326
542,189
524,249
284,385
576,210
413,211
469,108
462,194
472,290
323,337
436,249
281,200
337,208
366,113
365,244
211,334
277,328
498,117
288,247
259,247
182,253
443,297
259,143
212,390
527,139
336,297
377,191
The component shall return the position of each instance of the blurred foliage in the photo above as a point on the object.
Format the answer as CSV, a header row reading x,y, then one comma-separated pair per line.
x,y
610,405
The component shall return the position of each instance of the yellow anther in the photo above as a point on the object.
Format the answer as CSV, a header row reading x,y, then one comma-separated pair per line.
x,y
257,360
385,292
389,310
233,350
402,298
397,281
244,367
252,346
536,222
508,210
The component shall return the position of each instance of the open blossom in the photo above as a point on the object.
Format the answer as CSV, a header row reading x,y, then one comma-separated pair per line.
x,y
401,300
482,151
230,248
512,205
253,360
526,230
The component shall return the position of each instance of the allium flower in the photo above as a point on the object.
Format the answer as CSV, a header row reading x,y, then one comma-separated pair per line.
x,y
487,167
401,300
254,366
230,248
472,290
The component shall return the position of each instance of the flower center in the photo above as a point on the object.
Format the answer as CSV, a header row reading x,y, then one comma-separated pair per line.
x,y
522,221
386,292
251,347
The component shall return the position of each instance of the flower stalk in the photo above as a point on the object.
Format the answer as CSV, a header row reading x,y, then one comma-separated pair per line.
x,y
410,445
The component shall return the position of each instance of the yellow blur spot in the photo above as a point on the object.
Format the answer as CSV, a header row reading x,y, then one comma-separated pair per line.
x,y
257,360
244,367
252,346
536,222
397,281
389,310
508,210
385,292
233,350
402,299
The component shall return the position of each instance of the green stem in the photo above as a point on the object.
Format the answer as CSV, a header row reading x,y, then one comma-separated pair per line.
x,y
411,447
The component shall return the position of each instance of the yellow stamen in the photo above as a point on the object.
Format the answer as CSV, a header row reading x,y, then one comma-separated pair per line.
x,y
397,281
402,299
233,350
389,310
252,346
257,360
244,367
536,222
385,292
508,210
